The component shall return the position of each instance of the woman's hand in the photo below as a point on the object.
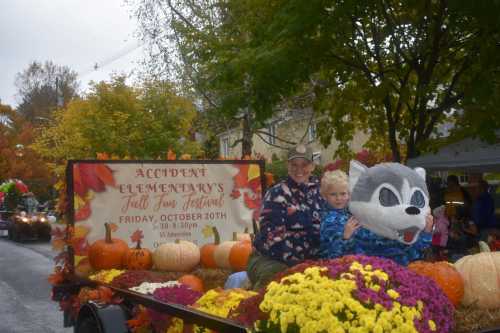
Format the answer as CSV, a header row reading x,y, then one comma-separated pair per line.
x,y
429,223
351,226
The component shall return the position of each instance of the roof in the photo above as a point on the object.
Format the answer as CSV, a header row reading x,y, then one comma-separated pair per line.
x,y
469,154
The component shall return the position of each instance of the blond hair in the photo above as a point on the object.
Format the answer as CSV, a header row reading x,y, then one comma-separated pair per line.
x,y
335,177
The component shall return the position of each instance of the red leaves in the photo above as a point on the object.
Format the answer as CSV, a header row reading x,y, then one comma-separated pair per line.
x,y
137,236
91,176
83,213
235,194
57,277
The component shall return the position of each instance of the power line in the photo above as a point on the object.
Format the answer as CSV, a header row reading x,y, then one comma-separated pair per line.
x,y
103,63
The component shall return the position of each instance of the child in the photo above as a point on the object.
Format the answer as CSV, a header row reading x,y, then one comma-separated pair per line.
x,y
341,234
337,224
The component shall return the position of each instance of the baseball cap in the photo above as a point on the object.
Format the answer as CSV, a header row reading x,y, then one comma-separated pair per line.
x,y
300,151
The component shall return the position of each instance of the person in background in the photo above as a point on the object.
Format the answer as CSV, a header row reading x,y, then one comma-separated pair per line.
x,y
455,196
289,221
483,210
336,219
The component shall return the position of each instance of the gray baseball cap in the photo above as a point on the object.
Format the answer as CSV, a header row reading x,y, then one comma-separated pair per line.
x,y
300,151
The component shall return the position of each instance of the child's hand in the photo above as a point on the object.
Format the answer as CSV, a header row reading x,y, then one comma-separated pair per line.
x,y
429,223
351,226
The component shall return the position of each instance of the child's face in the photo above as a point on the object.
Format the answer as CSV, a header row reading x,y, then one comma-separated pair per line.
x,y
337,195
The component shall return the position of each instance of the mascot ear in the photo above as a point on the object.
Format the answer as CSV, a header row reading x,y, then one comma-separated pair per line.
x,y
356,169
420,172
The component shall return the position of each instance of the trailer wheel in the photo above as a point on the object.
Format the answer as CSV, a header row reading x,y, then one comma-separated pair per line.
x,y
95,318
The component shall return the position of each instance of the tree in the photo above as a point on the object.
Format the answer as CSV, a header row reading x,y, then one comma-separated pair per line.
x,y
397,70
194,40
120,120
44,87
18,159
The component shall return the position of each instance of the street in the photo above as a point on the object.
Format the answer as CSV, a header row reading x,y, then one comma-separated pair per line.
x,y
25,304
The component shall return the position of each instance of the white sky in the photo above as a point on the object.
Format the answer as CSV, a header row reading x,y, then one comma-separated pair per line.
x,y
73,33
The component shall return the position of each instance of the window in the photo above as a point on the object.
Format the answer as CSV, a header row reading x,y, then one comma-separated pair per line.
x,y
224,147
311,132
272,134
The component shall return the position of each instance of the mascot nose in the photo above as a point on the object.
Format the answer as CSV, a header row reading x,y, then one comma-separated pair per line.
x,y
412,210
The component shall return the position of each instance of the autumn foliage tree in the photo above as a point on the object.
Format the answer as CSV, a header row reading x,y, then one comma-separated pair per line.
x,y
122,121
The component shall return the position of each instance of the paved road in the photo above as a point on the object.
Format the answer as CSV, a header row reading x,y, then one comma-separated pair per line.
x,y
25,304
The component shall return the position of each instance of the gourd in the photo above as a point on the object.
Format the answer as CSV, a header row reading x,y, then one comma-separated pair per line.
x,y
107,253
445,275
207,251
138,258
239,254
245,236
481,275
181,256
192,281
221,253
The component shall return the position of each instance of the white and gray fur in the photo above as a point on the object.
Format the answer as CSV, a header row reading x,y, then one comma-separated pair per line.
x,y
405,216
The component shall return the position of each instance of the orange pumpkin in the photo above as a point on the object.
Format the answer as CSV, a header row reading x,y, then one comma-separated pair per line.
x,y
107,253
239,254
207,251
445,275
193,282
138,258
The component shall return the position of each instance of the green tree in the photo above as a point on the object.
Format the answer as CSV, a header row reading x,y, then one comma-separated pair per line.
x,y
397,70
120,120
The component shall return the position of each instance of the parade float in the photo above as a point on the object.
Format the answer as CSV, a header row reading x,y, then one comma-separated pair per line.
x,y
149,246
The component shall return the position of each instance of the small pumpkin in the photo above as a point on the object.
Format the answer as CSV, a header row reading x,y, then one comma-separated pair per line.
x,y
481,274
221,253
193,282
207,251
445,275
138,258
239,254
107,253
245,236
181,256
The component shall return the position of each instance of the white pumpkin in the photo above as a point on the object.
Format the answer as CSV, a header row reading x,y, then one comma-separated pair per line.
x,y
481,275
181,256
221,253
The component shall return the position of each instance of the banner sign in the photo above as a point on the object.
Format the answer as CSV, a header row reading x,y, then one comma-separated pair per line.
x,y
163,200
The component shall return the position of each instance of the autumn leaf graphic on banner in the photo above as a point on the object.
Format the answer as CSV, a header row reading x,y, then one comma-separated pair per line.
x,y
207,231
137,236
248,182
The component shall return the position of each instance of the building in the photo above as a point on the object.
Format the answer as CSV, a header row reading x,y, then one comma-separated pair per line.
x,y
281,131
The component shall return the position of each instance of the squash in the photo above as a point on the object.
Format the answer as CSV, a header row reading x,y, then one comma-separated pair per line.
x,y
107,253
221,253
245,236
207,251
445,275
481,274
239,254
181,256
192,281
138,258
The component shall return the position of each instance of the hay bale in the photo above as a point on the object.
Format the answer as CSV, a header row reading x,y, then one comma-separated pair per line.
x,y
472,319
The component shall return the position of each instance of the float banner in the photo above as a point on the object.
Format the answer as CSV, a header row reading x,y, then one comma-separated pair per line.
x,y
162,202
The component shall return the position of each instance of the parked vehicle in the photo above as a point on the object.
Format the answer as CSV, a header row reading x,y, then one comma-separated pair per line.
x,y
25,226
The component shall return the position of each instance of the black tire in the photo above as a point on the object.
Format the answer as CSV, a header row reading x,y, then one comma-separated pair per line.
x,y
87,325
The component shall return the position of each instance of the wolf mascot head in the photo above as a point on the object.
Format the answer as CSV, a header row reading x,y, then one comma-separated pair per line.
x,y
389,199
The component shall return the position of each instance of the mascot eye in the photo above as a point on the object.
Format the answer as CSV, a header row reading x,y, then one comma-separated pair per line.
x,y
417,199
387,198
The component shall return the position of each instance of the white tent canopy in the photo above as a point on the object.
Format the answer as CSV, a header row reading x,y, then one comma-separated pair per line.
x,y
469,154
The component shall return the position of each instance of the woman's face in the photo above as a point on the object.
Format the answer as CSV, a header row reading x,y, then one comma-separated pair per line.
x,y
300,170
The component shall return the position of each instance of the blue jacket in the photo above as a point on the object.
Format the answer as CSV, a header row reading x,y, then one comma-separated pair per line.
x,y
365,242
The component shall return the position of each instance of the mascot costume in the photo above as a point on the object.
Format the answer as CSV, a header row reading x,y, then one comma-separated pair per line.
x,y
391,203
